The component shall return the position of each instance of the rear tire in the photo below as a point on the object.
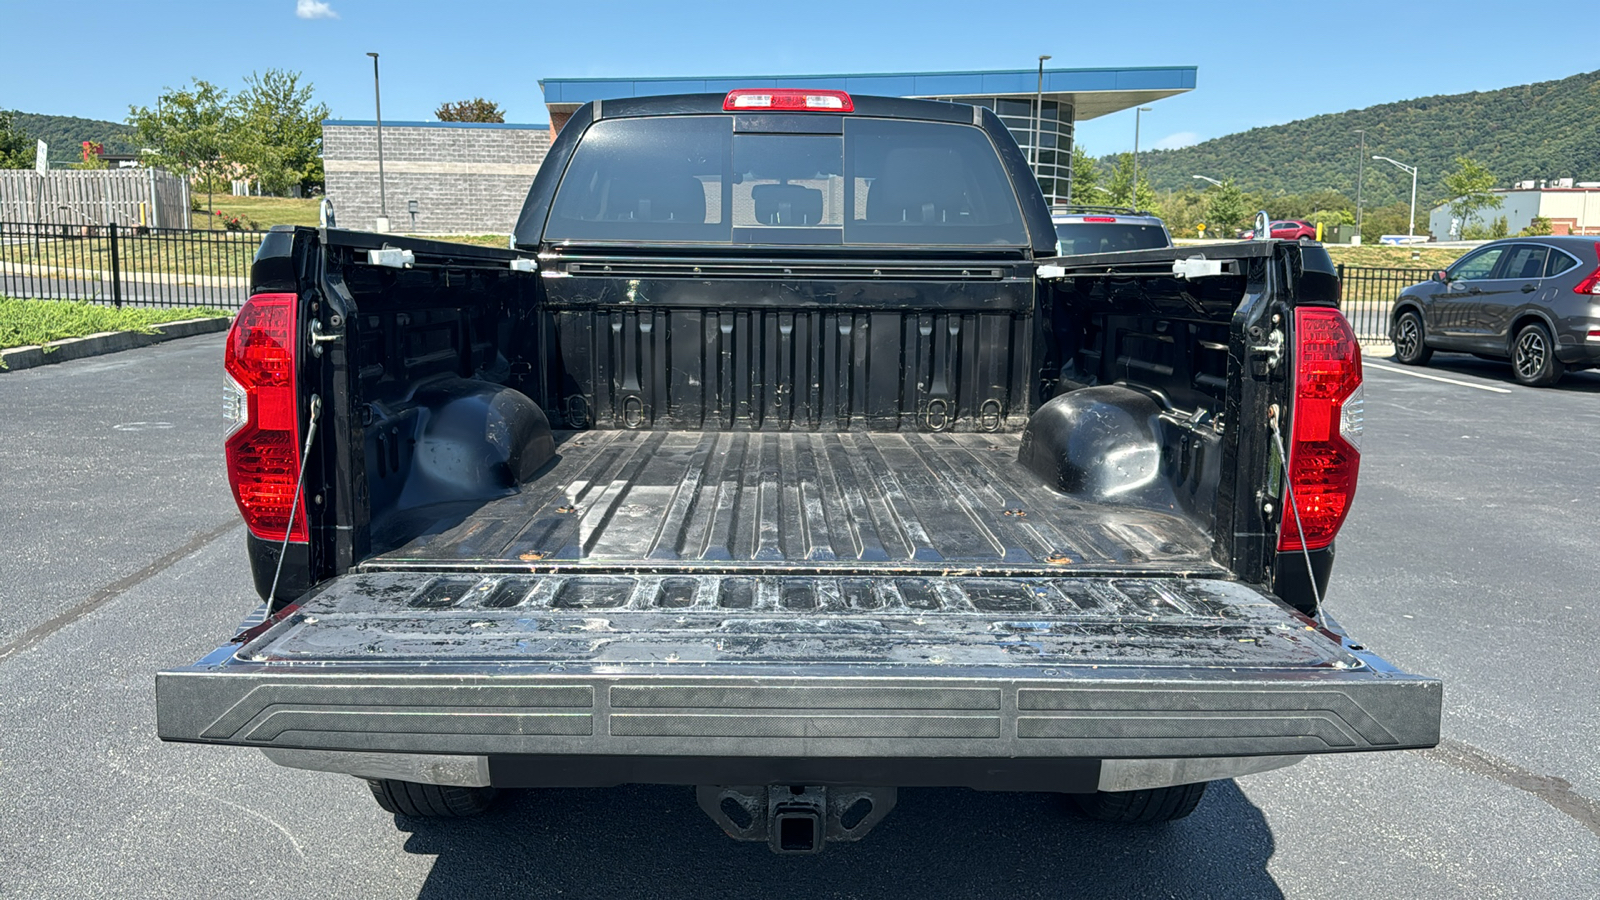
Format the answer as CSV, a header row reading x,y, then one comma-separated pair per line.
x,y
1410,341
440,801
1151,806
1533,357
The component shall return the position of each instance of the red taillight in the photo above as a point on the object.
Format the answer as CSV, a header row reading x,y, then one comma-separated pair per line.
x,y
1099,218
1324,450
263,449
787,100
1590,285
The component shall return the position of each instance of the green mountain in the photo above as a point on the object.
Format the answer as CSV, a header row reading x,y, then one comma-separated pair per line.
x,y
66,134
1546,130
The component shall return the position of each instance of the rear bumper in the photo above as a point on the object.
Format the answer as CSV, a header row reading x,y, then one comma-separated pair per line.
x,y
1135,713
1010,697
1071,776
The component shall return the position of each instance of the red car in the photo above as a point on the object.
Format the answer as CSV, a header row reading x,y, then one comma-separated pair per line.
x,y
1289,230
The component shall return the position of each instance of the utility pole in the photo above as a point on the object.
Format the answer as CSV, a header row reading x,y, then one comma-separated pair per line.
x,y
1361,171
1038,115
377,103
1412,231
1133,191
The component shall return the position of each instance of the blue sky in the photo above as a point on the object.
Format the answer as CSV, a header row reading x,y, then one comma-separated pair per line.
x,y
1259,63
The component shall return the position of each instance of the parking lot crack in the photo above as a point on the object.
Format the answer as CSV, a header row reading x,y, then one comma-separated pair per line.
x,y
1555,791
111,591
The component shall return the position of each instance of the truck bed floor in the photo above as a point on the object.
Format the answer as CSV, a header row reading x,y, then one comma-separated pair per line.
x,y
797,502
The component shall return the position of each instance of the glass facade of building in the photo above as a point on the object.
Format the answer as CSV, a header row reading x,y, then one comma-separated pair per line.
x,y
1051,155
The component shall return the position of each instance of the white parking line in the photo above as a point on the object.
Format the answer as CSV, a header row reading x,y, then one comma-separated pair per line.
x,y
1481,387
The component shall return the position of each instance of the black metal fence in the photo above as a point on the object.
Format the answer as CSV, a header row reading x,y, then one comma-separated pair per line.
x,y
1369,295
135,266
126,265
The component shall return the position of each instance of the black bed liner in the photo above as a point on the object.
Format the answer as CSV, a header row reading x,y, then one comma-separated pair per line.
x,y
665,499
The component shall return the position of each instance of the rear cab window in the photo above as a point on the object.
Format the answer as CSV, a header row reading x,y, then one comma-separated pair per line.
x,y
705,179
1074,238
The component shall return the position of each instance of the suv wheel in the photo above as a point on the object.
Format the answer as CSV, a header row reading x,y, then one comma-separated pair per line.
x,y
1409,346
1533,357
407,798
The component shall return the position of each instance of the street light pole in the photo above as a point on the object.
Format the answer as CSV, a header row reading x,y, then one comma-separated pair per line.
x,y
1204,178
1361,172
1133,191
1038,115
377,103
1412,231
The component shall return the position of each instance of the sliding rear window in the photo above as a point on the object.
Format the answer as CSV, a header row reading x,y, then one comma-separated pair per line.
x,y
873,181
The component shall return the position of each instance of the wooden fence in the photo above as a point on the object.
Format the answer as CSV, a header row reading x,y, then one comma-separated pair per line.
x,y
153,198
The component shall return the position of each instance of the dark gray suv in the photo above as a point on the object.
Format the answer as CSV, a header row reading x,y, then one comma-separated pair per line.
x,y
1534,301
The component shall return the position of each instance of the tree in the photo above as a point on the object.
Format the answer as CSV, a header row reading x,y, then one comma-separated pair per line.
x,y
275,132
16,147
1086,190
1538,227
1226,208
1182,211
1470,185
188,130
93,157
1392,219
1330,217
475,110
1121,191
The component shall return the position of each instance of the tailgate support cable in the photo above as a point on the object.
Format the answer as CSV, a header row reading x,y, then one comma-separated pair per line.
x,y
1294,507
294,507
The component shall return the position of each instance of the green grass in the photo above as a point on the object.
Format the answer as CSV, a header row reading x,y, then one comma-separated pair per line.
x,y
265,212
1396,257
28,322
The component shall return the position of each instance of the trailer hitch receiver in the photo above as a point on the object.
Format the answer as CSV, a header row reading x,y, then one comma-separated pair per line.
x,y
795,818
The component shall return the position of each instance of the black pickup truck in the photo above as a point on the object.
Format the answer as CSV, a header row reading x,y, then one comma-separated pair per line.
x,y
780,456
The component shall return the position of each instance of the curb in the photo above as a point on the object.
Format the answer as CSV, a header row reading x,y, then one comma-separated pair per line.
x,y
106,342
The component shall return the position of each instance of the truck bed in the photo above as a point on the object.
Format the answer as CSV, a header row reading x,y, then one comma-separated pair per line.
x,y
706,501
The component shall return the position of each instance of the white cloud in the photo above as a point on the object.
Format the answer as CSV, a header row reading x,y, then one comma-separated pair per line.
x,y
1170,142
314,9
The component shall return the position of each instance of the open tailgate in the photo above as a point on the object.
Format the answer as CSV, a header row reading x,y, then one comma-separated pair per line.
x,y
801,666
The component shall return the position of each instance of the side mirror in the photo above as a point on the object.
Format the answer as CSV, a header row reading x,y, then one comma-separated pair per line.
x,y
1441,276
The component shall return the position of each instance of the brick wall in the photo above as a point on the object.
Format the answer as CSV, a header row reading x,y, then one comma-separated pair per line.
x,y
466,178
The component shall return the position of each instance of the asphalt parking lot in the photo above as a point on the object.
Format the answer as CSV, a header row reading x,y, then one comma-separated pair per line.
x,y
1470,555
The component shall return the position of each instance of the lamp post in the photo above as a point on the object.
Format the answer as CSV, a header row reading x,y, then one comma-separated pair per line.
x,y
1412,231
1134,189
1038,114
1361,173
377,103
1204,178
